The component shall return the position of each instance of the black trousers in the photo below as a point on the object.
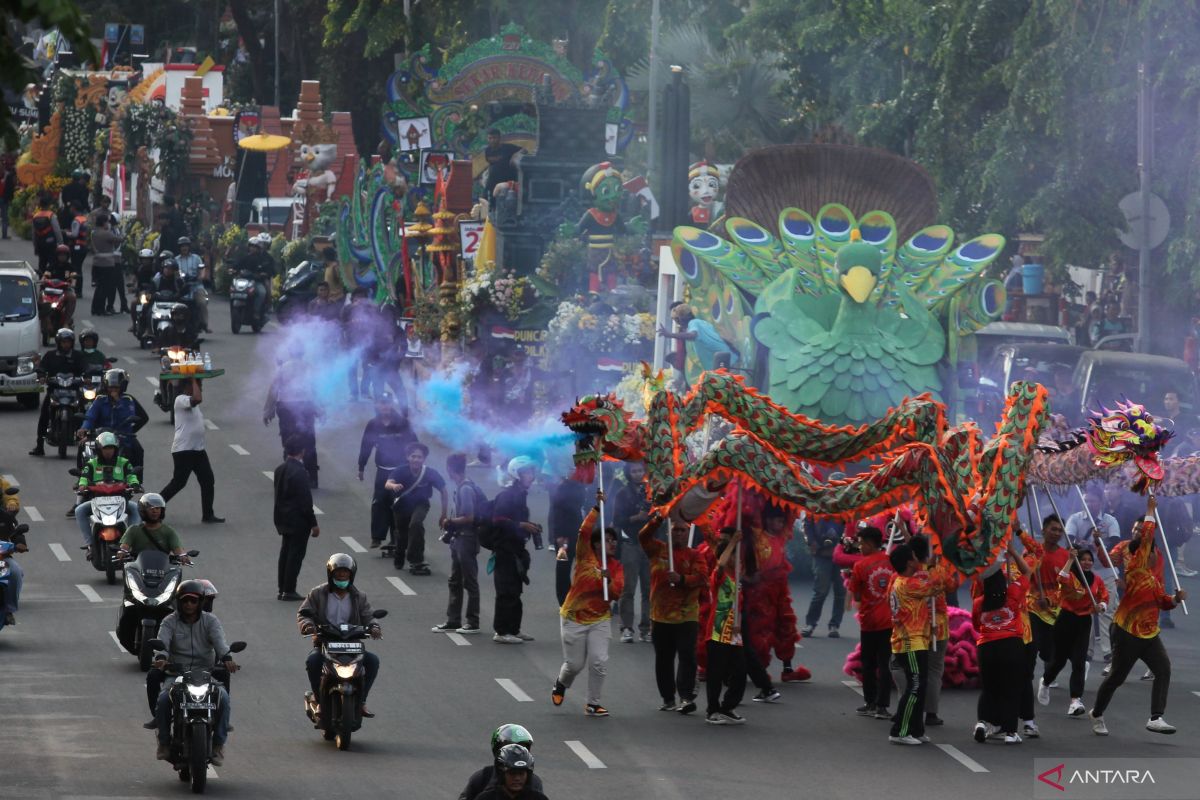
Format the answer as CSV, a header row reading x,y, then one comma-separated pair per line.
x,y
1002,667
876,677
909,719
509,585
726,666
381,507
755,671
188,462
409,525
1043,639
300,419
1027,693
78,254
292,548
1127,650
675,658
108,283
1072,635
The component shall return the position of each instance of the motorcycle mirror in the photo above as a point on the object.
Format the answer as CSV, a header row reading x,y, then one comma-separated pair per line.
x,y
73,472
157,644
379,613
193,553
237,647
11,490
22,528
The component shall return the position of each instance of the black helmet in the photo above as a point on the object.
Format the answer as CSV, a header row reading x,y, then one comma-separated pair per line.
x,y
116,377
514,756
210,594
88,334
192,587
340,561
65,335
182,241
169,262
165,254
510,733
152,500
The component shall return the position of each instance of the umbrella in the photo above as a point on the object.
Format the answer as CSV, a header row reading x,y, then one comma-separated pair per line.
x,y
264,142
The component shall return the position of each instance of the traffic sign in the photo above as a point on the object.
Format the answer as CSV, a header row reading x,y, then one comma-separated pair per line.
x,y
1160,220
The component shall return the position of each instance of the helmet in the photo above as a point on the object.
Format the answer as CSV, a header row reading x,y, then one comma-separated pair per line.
x,y
79,172
182,241
145,252
116,377
510,733
210,594
88,334
151,500
107,439
165,254
510,757
169,262
62,248
340,561
192,587
65,335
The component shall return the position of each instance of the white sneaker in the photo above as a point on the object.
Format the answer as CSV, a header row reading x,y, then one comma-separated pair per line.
x,y
733,718
1098,726
1043,693
1149,676
1107,670
980,732
507,638
1012,738
1185,571
524,637
626,635
1076,708
1030,729
1054,685
909,740
716,718
1159,725
923,739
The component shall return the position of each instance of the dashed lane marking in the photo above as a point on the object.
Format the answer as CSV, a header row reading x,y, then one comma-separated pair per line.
x,y
212,426
89,593
1196,693
401,586
212,773
510,686
585,755
353,544
34,514
241,451
962,758
113,635
317,510
11,480
270,475
87,323
152,381
108,342
458,639
59,551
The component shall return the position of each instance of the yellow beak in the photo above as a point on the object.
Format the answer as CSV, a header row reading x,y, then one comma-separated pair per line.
x,y
858,283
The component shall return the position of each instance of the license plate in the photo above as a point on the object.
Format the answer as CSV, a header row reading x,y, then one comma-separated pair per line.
x,y
344,647
190,706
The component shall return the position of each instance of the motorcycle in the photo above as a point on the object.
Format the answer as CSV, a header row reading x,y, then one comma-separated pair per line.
x,y
141,311
9,530
150,583
66,410
54,313
7,548
337,710
194,699
110,518
242,300
299,287
169,322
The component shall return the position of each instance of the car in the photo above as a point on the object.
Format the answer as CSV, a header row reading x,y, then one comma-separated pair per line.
x,y
271,213
1104,377
996,334
20,333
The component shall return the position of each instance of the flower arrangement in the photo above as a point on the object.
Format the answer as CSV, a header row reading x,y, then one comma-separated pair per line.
x,y
499,289
574,330
78,137
563,257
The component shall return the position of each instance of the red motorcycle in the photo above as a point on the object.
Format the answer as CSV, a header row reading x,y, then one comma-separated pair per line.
x,y
57,304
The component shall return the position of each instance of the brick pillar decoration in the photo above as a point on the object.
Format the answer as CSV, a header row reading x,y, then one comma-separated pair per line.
x,y
204,154
308,108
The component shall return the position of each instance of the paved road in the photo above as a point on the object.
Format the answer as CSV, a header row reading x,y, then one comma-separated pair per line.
x,y
72,703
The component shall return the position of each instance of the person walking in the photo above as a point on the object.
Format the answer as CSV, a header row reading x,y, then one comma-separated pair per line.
x,y
413,484
999,615
510,560
631,510
585,620
460,534
674,612
295,520
567,501
188,451
1099,539
822,536
1083,595
726,655
389,434
106,272
1044,599
289,397
869,580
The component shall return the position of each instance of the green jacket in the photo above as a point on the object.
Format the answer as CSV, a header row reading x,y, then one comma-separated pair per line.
x,y
93,472
139,538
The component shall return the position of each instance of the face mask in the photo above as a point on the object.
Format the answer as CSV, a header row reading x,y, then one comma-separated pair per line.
x,y
89,349
341,584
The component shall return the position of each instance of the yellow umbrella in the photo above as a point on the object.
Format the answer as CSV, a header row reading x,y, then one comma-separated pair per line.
x,y
264,142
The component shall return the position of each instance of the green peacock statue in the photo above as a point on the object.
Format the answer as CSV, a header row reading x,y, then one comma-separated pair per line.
x,y
837,316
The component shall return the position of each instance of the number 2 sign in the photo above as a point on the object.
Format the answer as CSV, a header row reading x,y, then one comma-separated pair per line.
x,y
470,231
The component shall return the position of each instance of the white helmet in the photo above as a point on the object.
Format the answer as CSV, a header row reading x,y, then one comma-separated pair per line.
x,y
264,239
145,252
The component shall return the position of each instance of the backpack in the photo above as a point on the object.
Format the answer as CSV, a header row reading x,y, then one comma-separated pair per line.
x,y
485,530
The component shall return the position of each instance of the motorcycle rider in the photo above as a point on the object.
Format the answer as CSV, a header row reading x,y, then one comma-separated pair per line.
x,y
338,601
118,412
258,263
94,471
89,341
8,531
486,778
152,533
514,776
193,270
194,639
64,358
61,269
147,268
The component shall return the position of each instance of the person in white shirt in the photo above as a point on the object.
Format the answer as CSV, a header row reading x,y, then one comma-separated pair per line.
x,y
188,453
1100,539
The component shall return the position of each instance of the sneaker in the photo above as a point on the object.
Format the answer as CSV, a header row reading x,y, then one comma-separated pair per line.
x,y
213,520
420,569
593,710
1076,708
375,543
1159,725
833,632
558,693
506,638
1043,695
1098,726
39,451
1148,676
152,725
626,635
923,739
468,630
1030,729
524,637
716,719
807,631
798,674
218,755
445,627
882,713
1107,670
687,707
733,718
1185,571
934,720
163,753
645,637
669,705
909,740
1012,738
1054,685
767,696
981,731
865,711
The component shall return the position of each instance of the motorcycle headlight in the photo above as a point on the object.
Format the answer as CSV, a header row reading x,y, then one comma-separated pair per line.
x,y
197,693
24,365
144,298
132,584
345,670
167,590
89,394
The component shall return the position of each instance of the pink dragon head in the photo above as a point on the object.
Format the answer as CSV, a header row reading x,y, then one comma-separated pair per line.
x,y
1127,432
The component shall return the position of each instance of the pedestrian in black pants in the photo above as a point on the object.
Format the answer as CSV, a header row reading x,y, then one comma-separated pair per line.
x,y
188,453
726,650
412,484
511,528
389,434
288,398
460,534
1083,594
674,612
295,520
567,511
1003,659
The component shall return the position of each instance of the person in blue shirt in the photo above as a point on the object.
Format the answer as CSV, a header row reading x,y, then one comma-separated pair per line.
x,y
118,412
703,336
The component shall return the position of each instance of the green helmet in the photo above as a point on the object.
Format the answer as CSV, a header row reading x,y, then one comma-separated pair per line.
x,y
510,733
106,439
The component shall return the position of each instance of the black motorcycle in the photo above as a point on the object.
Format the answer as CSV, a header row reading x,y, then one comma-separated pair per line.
x,y
194,704
298,289
243,297
150,582
141,311
170,321
337,711
66,410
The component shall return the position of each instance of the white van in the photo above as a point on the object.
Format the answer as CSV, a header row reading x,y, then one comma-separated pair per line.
x,y
271,213
20,332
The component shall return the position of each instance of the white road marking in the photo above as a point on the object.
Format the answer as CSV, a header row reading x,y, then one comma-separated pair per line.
x,y
10,480
241,451
113,635
962,758
853,686
458,639
317,510
87,323
33,513
585,755
89,593
270,475
353,544
508,685
1196,693
212,426
59,551
108,342
212,773
400,585
152,381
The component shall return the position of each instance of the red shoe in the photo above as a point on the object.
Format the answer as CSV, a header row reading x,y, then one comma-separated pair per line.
x,y
797,674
